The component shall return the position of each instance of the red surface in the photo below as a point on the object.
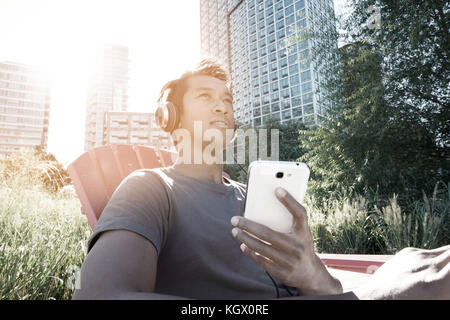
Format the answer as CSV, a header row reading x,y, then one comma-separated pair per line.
x,y
97,173
364,263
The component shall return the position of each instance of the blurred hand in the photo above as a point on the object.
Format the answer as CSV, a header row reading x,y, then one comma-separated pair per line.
x,y
411,274
289,257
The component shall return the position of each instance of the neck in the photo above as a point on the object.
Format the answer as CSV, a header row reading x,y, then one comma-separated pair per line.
x,y
210,171
206,172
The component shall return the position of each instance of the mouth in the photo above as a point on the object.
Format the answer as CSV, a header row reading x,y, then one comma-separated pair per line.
x,y
219,123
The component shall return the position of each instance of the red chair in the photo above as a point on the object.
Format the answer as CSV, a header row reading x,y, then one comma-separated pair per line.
x,y
97,173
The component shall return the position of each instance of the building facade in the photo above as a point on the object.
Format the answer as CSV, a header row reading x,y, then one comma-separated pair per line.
x,y
136,128
268,80
108,91
24,108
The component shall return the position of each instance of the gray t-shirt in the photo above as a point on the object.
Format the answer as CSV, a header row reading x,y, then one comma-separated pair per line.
x,y
188,222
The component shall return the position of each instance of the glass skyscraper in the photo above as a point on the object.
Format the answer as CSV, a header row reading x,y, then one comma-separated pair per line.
x,y
248,36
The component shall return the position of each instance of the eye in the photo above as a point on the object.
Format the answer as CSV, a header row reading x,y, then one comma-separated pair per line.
x,y
228,101
204,96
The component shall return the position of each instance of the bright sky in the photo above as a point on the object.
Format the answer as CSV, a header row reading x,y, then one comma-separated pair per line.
x,y
61,36
163,37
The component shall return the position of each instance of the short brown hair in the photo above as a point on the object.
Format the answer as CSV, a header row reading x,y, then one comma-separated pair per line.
x,y
177,88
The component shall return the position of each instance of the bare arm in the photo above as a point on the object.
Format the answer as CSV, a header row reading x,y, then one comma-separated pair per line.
x,y
121,265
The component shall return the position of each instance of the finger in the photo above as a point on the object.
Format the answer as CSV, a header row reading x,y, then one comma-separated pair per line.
x,y
264,249
277,239
294,207
262,261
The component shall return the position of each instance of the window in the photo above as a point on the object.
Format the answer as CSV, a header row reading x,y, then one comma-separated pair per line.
x,y
293,69
257,122
273,66
274,86
271,38
275,107
289,10
273,57
274,97
264,80
261,34
307,98
266,109
283,73
280,25
295,91
269,11
263,52
261,25
262,43
282,53
299,5
308,109
307,87
296,101
285,93
292,58
282,63
264,70
286,114
297,112
279,15
275,116
272,47
290,20
288,2
279,6
284,83
271,29
294,80
306,76
274,76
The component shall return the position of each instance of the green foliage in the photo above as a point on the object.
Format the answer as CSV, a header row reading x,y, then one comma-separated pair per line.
x,y
388,132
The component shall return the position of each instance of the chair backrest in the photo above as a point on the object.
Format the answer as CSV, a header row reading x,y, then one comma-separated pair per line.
x,y
98,172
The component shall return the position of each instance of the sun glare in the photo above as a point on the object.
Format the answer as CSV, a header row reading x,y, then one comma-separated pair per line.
x,y
62,37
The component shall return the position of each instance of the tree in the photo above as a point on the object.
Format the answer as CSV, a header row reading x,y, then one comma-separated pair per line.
x,y
388,131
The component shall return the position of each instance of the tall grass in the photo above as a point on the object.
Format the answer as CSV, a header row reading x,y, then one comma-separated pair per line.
x,y
368,225
42,239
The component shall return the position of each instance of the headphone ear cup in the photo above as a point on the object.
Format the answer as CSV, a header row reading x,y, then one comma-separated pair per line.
x,y
167,116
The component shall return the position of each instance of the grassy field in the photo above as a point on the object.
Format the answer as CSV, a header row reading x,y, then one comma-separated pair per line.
x,y
43,236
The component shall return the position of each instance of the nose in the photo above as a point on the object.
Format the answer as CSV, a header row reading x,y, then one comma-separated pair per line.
x,y
220,108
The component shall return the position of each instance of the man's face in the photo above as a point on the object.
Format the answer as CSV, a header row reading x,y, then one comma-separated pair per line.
x,y
209,101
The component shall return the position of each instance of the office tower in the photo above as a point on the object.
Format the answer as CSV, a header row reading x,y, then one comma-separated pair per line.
x,y
267,80
108,90
137,128
24,108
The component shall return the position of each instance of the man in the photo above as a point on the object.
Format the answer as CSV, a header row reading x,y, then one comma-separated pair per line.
x,y
175,232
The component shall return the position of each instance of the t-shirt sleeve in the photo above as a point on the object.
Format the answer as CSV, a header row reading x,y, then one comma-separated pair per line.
x,y
140,204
